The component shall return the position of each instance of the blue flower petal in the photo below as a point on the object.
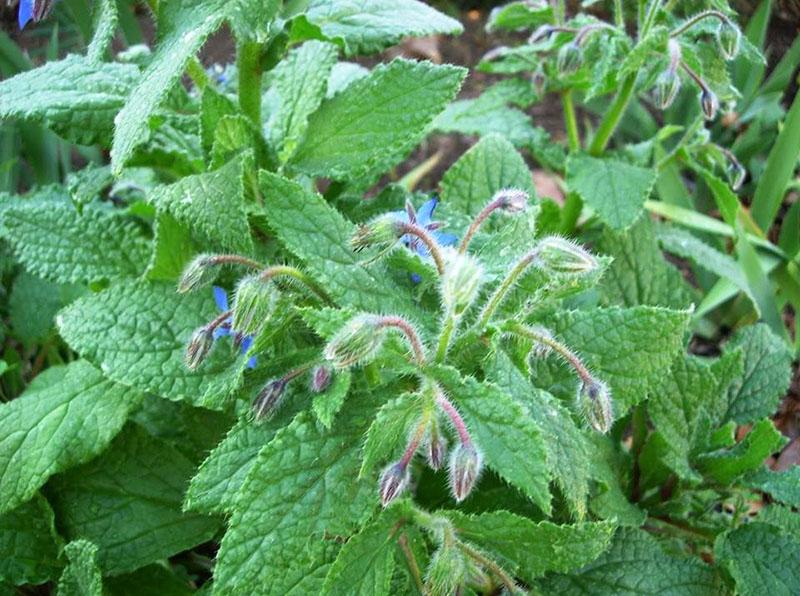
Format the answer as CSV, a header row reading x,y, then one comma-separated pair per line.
x,y
251,363
416,278
247,341
445,239
221,331
25,13
221,298
425,212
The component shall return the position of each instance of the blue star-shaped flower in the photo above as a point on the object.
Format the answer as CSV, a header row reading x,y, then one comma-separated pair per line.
x,y
424,219
33,10
221,298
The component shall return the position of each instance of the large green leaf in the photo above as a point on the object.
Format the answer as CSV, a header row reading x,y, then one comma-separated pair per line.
x,y
137,332
82,575
782,486
761,442
76,97
376,121
66,417
29,544
128,502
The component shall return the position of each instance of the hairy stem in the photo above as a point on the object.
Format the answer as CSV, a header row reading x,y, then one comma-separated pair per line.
x,y
493,567
570,121
612,117
448,328
562,350
500,293
234,260
410,334
721,17
427,240
297,274
455,418
413,566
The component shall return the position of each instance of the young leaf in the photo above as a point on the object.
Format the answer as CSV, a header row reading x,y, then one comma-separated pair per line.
x,y
75,97
490,165
761,558
29,543
375,121
302,487
761,442
503,430
211,205
66,417
128,502
81,576
33,305
184,27
782,486
636,564
57,243
173,248
368,26
531,549
766,376
137,332
614,189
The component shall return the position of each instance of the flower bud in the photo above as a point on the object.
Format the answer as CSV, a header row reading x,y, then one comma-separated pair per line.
x,y
436,448
393,481
269,399
321,378
736,174
381,232
462,279
447,571
253,305
560,255
465,468
511,200
728,37
594,401
199,346
569,59
666,90
542,32
357,342
709,103
199,273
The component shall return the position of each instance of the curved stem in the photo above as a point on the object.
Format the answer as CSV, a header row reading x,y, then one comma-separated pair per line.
x,y
556,346
219,320
293,272
230,259
455,418
500,293
413,566
410,333
486,562
427,240
612,117
721,17
414,443
695,77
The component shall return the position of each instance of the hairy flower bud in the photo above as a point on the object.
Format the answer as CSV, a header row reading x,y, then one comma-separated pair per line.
x,y
447,571
269,399
511,200
736,174
560,255
393,481
436,448
381,232
462,279
569,59
199,346
666,90
728,37
709,103
356,343
253,304
199,273
465,468
594,401
321,378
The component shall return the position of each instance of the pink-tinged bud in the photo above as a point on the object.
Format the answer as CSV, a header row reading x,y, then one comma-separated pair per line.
x,y
199,346
709,103
200,272
393,481
594,401
560,255
511,200
465,469
436,448
321,378
269,399
666,90
357,342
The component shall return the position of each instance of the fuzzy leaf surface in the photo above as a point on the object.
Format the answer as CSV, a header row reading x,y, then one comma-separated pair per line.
x,y
82,575
29,544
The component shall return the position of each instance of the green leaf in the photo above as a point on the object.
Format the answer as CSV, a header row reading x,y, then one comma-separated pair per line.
x,y
636,564
766,376
761,442
614,189
128,502
490,165
137,332
52,240
389,431
655,42
761,558
75,97
106,18
784,518
302,488
782,486
33,305
328,403
183,28
639,274
320,236
66,417
214,106
153,579
173,249
566,447
81,576
630,349
368,26
519,15
366,562
88,184
610,469
300,81
503,430
529,549
29,543
211,205
236,135
376,121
